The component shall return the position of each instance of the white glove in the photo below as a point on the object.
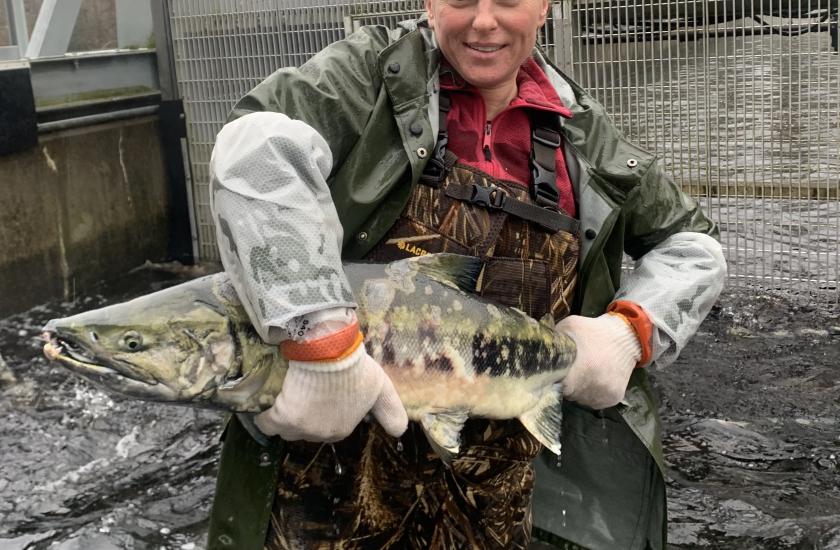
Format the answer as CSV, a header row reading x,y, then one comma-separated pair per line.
x,y
607,352
326,400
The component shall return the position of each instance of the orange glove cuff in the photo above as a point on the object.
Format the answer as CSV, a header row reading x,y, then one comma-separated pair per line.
x,y
331,347
639,322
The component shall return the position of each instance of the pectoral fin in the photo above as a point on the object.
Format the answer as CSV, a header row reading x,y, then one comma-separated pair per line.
x,y
544,420
443,430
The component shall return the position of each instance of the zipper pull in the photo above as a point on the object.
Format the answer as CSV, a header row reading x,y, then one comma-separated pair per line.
x,y
487,129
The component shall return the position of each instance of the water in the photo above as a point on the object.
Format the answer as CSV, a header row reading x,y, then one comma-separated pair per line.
x,y
750,425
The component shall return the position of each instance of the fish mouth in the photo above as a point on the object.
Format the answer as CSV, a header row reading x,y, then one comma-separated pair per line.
x,y
75,357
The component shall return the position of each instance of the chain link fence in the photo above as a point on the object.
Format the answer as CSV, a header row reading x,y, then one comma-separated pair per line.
x,y
740,98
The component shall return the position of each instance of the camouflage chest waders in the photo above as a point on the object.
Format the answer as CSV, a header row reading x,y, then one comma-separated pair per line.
x,y
371,491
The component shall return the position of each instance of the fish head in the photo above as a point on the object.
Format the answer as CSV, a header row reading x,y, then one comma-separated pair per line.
x,y
173,345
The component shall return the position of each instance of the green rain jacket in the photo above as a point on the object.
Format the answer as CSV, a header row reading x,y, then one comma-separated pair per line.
x,y
373,98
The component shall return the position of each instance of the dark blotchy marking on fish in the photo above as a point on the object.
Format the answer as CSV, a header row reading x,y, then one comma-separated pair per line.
x,y
439,362
427,332
388,354
505,355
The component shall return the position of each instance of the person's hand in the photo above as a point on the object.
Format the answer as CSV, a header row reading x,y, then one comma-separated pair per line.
x,y
326,400
607,352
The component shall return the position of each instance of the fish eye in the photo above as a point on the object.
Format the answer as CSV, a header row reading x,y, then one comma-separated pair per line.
x,y
132,341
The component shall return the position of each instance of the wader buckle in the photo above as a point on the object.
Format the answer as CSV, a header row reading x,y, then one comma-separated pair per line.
x,y
547,137
546,194
491,197
435,170
545,142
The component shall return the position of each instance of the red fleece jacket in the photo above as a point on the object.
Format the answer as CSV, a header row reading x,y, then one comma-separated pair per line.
x,y
502,147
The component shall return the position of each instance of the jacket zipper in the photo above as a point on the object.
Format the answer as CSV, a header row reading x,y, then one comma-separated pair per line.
x,y
487,129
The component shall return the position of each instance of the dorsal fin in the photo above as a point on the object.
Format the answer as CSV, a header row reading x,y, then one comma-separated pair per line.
x,y
461,271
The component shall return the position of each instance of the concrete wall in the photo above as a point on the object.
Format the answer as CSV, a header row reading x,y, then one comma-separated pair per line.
x,y
85,205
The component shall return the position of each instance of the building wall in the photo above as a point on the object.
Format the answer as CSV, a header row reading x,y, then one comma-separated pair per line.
x,y
85,205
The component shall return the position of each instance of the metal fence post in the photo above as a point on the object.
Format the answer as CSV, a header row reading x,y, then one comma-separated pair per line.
x,y
17,24
183,234
163,50
561,11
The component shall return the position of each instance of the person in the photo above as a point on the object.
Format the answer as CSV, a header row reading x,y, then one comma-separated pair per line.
x,y
451,133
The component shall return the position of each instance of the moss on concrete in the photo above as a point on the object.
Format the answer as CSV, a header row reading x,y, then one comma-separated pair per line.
x,y
92,97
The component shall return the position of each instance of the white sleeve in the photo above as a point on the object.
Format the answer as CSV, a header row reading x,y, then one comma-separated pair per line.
x,y
676,284
278,232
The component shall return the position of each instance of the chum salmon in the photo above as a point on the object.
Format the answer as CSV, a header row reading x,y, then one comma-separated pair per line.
x,y
450,353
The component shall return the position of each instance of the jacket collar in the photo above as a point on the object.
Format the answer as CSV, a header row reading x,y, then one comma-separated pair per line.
x,y
535,91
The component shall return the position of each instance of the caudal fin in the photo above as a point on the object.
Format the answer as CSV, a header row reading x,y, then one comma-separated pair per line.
x,y
544,420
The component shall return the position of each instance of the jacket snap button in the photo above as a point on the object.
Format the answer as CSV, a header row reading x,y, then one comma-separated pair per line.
x,y
632,163
416,128
590,234
421,152
394,68
265,459
363,236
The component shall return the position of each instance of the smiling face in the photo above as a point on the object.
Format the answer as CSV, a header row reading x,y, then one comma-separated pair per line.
x,y
487,40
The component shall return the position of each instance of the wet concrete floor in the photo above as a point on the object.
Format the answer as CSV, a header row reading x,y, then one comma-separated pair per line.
x,y
752,438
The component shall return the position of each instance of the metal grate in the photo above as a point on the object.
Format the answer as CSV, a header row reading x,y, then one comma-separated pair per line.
x,y
740,98
222,49
741,101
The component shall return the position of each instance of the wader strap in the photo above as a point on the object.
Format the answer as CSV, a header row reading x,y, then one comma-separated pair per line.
x,y
545,139
494,198
497,222
442,160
